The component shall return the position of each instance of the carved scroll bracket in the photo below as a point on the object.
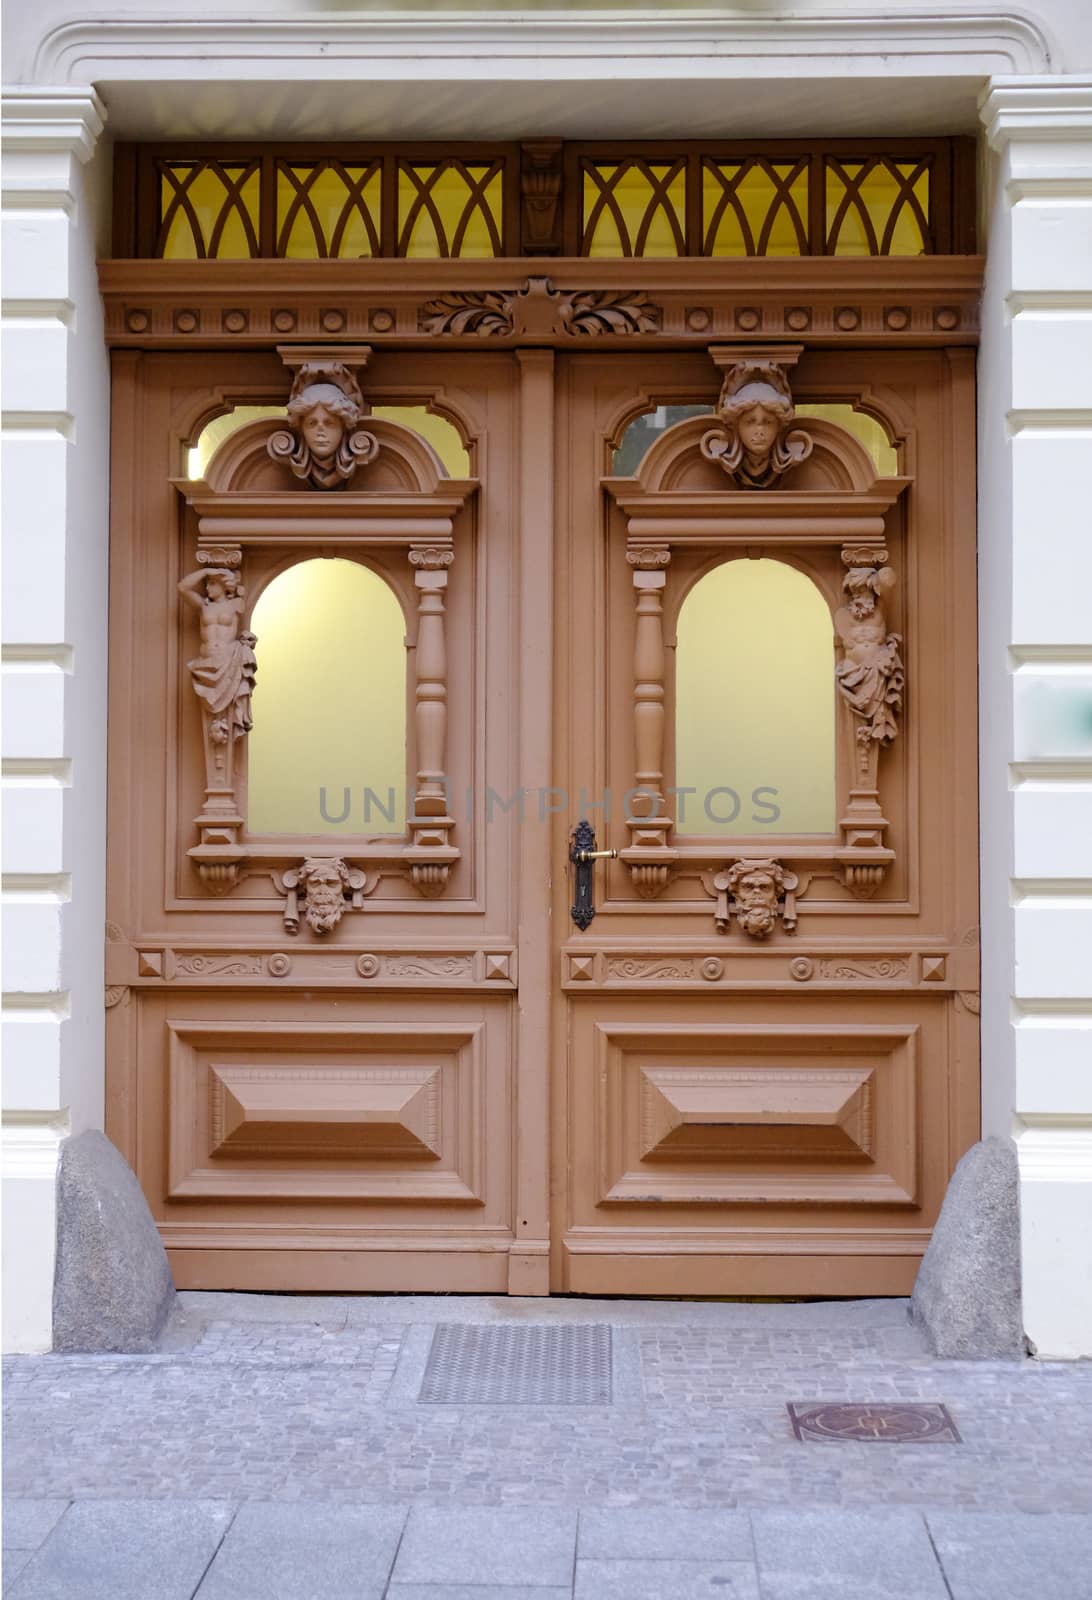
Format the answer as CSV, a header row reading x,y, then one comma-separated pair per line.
x,y
758,893
870,679
430,853
649,855
756,441
327,886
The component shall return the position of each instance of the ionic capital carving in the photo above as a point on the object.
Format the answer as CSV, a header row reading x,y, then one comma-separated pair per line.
x,y
648,558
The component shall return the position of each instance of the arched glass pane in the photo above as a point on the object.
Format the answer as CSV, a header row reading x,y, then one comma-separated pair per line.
x,y
862,427
441,434
641,434
754,704
329,704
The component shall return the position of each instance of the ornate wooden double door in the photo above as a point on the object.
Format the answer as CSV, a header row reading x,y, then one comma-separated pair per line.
x,y
387,625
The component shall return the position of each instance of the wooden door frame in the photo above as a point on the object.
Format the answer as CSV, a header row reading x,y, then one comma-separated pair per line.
x,y
497,305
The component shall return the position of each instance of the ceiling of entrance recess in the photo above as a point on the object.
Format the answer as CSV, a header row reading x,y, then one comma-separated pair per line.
x,y
291,69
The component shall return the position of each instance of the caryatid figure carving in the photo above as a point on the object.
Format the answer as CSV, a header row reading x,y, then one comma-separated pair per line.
x,y
870,674
322,442
223,674
756,441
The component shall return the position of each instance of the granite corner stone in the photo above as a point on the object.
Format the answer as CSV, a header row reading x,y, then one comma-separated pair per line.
x,y
112,1286
967,1297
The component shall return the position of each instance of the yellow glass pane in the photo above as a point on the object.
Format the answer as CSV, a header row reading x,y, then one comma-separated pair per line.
x,y
754,704
441,434
214,433
208,195
878,193
328,193
757,194
327,752
450,195
862,427
632,194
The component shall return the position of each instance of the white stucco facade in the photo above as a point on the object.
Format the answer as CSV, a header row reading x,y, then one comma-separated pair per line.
x,y
1022,78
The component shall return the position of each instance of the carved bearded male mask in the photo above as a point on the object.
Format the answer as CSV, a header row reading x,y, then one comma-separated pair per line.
x,y
324,884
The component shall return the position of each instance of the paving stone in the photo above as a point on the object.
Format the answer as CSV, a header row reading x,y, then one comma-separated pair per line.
x,y
524,1545
665,1580
13,1563
475,1591
125,1550
310,1413
845,1555
306,1552
1011,1558
26,1522
655,1534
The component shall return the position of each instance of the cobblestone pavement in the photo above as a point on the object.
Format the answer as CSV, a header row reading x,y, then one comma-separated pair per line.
x,y
690,1482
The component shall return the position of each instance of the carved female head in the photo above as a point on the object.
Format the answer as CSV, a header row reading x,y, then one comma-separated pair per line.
x,y
755,441
322,442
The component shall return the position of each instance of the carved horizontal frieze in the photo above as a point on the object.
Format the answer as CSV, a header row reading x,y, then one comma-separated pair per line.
x,y
755,966
929,300
310,966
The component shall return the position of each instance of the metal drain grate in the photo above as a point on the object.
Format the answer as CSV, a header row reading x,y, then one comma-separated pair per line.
x,y
503,1366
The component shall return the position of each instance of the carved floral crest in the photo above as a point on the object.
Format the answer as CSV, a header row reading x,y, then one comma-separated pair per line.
x,y
322,442
756,441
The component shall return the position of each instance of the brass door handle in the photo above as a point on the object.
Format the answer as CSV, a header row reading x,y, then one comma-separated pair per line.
x,y
582,853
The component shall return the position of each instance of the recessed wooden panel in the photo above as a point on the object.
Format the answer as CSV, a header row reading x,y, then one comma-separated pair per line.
x,y
740,1113
801,1113
359,1111
306,1110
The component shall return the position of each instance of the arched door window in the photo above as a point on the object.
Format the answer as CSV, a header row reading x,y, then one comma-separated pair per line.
x,y
754,704
327,752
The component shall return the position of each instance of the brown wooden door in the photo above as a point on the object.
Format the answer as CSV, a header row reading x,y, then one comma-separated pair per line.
x,y
766,1040
360,1048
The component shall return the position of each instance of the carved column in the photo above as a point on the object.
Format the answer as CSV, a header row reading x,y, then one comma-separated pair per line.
x,y
649,855
430,825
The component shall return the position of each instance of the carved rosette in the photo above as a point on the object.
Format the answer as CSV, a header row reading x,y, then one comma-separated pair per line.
x,y
327,888
757,893
322,443
756,441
